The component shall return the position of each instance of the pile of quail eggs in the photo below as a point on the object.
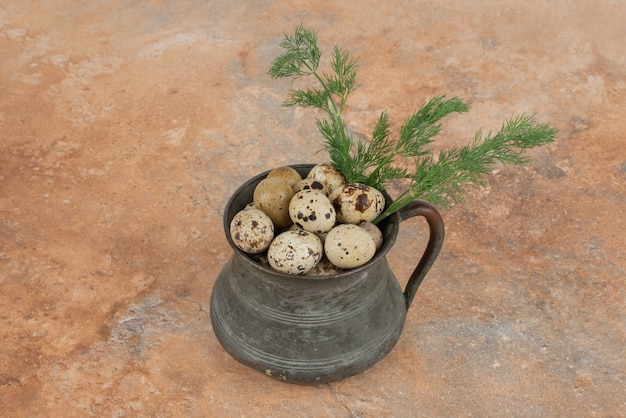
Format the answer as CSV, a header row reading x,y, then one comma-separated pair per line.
x,y
315,226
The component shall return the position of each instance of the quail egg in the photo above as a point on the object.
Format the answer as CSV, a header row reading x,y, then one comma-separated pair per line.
x,y
328,175
272,196
295,252
249,206
356,203
324,268
311,184
348,246
312,211
287,174
374,232
251,230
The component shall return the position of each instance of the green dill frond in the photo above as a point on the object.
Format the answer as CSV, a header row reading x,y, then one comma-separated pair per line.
x,y
419,129
447,179
338,144
442,180
301,57
341,81
372,155
317,98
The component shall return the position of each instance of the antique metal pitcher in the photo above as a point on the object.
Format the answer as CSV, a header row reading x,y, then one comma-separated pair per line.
x,y
306,330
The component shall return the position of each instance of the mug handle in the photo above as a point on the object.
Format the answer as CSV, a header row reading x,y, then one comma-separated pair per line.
x,y
435,242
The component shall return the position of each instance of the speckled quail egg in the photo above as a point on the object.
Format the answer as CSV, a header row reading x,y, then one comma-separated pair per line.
x,y
356,203
311,184
272,196
321,236
287,174
324,268
251,230
312,211
294,227
295,252
348,246
374,232
328,175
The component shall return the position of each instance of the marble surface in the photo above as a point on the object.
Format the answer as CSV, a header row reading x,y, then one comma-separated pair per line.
x,y
126,125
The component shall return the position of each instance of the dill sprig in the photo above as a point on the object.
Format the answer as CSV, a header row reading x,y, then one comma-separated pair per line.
x,y
302,58
442,180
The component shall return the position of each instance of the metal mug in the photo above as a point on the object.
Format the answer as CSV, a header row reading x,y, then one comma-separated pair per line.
x,y
308,330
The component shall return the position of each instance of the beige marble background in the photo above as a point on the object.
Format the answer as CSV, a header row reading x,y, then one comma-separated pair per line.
x,y
126,125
